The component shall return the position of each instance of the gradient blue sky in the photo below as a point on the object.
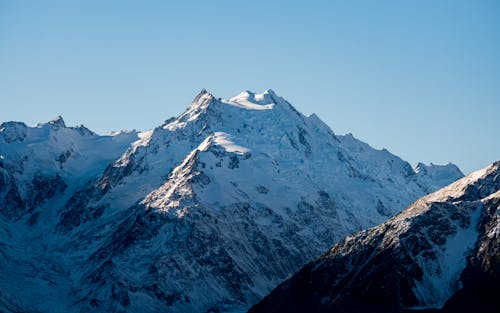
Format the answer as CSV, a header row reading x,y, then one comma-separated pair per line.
x,y
420,78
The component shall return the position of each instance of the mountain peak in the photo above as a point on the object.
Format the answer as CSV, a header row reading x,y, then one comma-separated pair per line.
x,y
57,121
247,96
437,175
424,168
270,91
207,212
13,131
198,107
202,95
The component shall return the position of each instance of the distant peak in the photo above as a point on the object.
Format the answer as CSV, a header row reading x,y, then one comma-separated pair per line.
x,y
270,92
438,171
267,97
249,93
203,94
198,106
13,131
58,121
245,94
432,165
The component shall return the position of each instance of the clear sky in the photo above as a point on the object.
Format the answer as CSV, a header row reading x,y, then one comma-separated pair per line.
x,y
420,78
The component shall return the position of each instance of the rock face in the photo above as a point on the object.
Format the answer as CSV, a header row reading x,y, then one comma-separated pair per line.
x,y
205,213
441,254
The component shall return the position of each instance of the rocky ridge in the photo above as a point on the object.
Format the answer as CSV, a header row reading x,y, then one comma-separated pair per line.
x,y
439,255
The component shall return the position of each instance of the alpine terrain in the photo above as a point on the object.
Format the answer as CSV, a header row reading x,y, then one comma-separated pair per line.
x,y
441,254
205,213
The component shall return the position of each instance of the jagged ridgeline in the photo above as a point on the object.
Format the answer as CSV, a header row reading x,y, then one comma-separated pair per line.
x,y
205,213
441,254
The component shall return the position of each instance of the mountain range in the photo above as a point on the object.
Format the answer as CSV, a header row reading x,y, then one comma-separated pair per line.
x,y
441,254
208,212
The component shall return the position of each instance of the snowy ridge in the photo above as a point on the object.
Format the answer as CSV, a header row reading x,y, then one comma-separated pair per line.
x,y
41,167
423,258
207,212
50,157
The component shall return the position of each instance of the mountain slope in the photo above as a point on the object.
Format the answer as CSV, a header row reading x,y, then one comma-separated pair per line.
x,y
41,167
206,212
439,254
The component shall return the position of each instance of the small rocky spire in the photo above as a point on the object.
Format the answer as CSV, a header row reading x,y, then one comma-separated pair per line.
x,y
58,121
201,94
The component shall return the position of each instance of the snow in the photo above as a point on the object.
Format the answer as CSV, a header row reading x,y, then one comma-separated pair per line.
x,y
457,188
248,181
144,138
224,140
495,230
284,161
251,101
441,275
436,287
58,121
87,153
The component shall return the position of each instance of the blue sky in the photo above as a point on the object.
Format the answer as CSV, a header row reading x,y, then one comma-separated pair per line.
x,y
420,78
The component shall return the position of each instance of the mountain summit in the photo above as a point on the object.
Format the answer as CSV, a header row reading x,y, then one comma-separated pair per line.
x,y
207,212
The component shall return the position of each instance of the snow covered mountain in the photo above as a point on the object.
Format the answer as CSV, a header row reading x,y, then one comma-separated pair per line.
x,y
441,254
205,213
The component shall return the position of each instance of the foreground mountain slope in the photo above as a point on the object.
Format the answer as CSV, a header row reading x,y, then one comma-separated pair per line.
x,y
207,212
439,254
